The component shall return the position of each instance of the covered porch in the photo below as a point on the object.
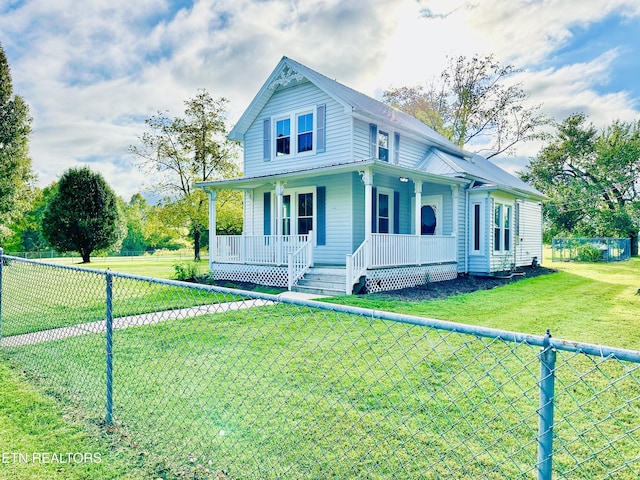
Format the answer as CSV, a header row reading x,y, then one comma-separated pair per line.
x,y
388,241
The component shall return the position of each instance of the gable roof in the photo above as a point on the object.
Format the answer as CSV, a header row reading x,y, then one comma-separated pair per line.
x,y
476,168
289,72
446,159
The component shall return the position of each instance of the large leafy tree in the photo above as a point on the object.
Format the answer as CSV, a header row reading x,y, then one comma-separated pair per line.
x,y
15,164
83,215
474,104
177,152
27,230
592,178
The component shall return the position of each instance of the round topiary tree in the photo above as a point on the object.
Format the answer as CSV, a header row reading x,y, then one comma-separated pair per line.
x,y
83,215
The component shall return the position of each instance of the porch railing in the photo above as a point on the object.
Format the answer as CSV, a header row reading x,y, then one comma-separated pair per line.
x,y
356,266
300,262
264,249
390,250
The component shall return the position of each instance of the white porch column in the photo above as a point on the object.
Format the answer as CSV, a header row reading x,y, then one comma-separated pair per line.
x,y
418,206
213,196
367,178
454,193
279,196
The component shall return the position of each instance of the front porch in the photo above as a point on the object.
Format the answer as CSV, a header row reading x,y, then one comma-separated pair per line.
x,y
382,262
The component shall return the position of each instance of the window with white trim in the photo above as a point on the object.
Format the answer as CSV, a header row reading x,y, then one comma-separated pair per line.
x,y
283,137
298,211
295,133
383,145
305,133
502,228
476,227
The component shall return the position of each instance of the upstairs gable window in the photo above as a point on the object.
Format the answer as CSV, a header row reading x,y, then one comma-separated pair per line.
x,y
383,146
283,137
305,132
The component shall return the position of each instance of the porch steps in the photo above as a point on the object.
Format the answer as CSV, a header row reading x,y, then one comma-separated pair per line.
x,y
329,281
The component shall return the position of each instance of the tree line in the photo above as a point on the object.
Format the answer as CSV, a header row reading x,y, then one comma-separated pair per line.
x,y
591,176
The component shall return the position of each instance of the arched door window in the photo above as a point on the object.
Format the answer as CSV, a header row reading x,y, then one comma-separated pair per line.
x,y
427,220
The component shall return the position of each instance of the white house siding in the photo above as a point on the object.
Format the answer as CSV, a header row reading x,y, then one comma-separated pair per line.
x,y
357,207
294,99
338,220
462,229
530,233
361,147
411,151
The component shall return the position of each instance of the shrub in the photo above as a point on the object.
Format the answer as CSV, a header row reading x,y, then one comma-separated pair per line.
x,y
185,271
589,253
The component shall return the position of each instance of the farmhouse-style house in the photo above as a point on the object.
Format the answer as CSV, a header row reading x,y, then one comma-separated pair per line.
x,y
343,193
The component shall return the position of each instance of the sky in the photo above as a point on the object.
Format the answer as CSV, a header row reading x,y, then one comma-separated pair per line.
x,y
92,71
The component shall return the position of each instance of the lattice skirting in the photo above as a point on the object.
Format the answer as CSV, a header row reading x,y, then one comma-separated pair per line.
x,y
260,274
384,279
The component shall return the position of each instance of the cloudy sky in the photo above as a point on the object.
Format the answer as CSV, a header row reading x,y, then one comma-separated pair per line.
x,y
92,71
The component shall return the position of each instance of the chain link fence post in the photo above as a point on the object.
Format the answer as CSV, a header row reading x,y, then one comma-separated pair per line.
x,y
109,348
545,423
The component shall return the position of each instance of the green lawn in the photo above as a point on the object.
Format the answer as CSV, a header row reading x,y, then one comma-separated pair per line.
x,y
592,303
286,392
42,297
33,427
145,265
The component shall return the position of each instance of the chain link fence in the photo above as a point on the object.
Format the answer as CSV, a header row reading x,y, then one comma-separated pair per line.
x,y
208,382
590,249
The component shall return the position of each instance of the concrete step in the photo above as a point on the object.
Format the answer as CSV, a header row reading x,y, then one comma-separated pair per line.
x,y
330,292
323,281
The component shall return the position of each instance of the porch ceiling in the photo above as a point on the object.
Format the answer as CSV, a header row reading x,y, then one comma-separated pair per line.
x,y
377,166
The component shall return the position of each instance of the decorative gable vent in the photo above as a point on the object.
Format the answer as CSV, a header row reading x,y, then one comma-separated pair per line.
x,y
286,76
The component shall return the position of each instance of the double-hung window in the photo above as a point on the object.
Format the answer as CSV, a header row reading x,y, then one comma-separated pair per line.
x,y
497,227
383,145
296,133
502,228
305,132
507,227
283,137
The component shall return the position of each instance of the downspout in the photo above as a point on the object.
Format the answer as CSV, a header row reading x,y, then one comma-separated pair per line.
x,y
467,215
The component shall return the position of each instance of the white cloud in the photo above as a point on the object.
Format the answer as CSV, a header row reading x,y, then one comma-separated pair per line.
x,y
93,71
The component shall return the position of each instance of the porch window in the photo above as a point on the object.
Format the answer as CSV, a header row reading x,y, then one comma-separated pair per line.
x,y
305,213
383,213
283,137
286,214
428,220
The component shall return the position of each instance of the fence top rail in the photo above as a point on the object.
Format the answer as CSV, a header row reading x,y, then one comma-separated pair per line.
x,y
602,351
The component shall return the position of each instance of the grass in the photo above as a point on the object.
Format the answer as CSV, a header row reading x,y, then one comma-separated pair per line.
x,y
285,392
158,265
291,393
33,427
585,302
65,297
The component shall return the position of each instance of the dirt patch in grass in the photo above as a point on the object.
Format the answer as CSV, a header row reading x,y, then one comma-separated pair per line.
x,y
462,284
